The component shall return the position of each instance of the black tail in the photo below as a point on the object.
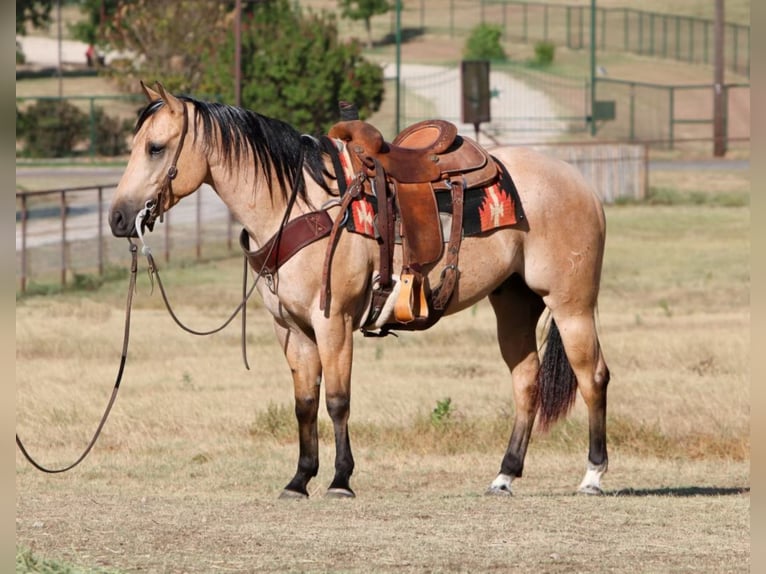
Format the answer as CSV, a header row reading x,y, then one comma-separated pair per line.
x,y
556,381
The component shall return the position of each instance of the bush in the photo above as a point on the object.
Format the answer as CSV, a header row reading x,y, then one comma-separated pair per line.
x,y
52,128
484,43
544,53
111,133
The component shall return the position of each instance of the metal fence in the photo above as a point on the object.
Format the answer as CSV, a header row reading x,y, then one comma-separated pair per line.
x,y
534,106
683,38
63,237
660,114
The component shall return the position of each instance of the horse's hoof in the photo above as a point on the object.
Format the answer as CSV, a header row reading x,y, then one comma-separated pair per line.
x,y
590,490
292,495
498,491
339,493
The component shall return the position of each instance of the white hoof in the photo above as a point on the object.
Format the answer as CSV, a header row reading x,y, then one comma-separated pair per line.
x,y
591,482
339,493
501,486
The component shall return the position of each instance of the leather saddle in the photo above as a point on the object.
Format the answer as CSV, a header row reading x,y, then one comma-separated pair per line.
x,y
424,158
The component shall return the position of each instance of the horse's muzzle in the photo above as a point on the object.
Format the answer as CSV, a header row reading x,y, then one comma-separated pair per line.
x,y
122,223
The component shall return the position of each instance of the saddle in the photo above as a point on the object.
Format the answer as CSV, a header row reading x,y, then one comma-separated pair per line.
x,y
424,158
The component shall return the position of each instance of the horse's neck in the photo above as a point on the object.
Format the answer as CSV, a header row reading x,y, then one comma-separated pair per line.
x,y
258,208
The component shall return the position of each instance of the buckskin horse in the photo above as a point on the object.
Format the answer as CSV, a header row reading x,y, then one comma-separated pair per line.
x,y
341,231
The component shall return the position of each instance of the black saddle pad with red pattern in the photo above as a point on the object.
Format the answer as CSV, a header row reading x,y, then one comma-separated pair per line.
x,y
486,208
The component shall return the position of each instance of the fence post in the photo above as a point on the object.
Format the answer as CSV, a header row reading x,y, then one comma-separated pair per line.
x,y
671,106
92,129
62,200
24,216
632,131
199,225
167,237
626,30
526,22
691,40
100,231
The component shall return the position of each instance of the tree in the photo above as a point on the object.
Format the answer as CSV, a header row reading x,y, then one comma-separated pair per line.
x,y
167,41
364,10
98,15
484,43
37,13
295,68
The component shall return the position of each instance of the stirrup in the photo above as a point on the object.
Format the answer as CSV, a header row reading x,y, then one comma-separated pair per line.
x,y
411,302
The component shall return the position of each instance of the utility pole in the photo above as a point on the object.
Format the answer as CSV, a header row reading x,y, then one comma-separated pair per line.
x,y
60,70
719,94
592,67
238,53
398,36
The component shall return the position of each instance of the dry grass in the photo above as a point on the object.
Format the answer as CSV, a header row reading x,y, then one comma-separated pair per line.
x,y
197,448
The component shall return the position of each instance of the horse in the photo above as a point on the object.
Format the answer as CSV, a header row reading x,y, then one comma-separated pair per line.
x,y
269,174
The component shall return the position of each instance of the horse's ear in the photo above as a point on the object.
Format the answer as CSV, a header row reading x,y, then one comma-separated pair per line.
x,y
174,104
150,94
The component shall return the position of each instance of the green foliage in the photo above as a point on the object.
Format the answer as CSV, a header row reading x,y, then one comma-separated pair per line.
x,y
89,29
295,68
36,13
544,53
364,10
27,562
278,421
171,40
111,133
52,128
442,412
484,43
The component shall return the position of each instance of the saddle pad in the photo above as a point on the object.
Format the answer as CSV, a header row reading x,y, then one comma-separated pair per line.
x,y
485,208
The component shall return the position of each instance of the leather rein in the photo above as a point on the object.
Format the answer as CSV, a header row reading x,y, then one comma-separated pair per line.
x,y
154,209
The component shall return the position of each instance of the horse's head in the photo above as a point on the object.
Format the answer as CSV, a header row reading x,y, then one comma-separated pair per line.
x,y
165,165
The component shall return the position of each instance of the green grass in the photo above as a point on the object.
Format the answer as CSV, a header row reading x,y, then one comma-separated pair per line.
x,y
28,563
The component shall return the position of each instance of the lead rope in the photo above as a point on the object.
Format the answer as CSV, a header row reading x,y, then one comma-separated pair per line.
x,y
154,272
123,358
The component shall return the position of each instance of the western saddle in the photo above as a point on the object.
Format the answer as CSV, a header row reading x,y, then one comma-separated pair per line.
x,y
404,176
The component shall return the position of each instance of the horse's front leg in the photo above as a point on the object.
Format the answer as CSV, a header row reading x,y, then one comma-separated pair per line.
x,y
335,341
303,358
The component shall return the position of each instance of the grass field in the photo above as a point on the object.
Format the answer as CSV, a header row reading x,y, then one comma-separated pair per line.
x,y
185,476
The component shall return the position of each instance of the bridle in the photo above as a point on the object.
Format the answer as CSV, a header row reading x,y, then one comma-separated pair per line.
x,y
156,207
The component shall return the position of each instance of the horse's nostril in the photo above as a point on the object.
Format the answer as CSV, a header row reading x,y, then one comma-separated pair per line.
x,y
117,222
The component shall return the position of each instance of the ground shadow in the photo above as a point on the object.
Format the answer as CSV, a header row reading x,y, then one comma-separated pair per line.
x,y
681,491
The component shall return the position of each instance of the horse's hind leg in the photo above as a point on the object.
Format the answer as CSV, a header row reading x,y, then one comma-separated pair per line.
x,y
303,358
580,340
517,310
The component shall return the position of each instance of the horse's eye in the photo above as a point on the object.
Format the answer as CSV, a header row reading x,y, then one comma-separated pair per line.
x,y
155,149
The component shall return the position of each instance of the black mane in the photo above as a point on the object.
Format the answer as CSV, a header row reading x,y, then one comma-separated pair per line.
x,y
275,144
